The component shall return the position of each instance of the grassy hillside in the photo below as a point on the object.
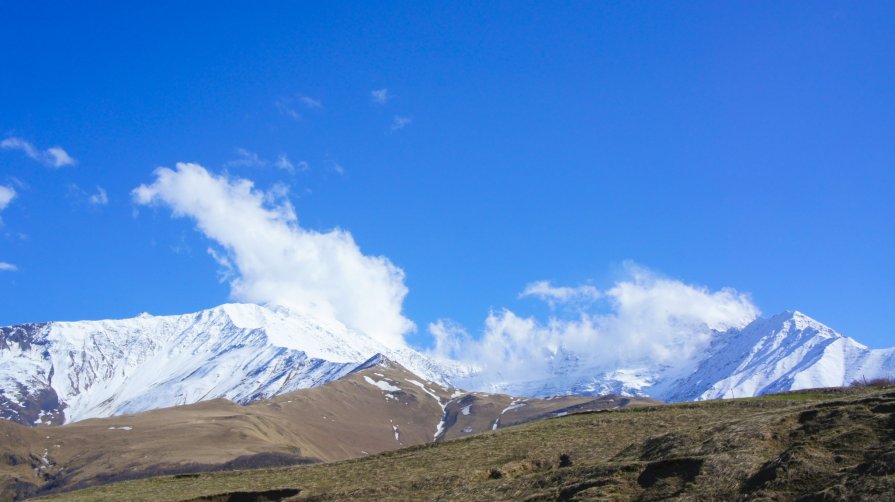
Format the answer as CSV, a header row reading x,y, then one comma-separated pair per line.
x,y
381,408
818,444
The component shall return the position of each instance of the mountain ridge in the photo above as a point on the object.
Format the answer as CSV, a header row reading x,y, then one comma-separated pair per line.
x,y
240,352
61,372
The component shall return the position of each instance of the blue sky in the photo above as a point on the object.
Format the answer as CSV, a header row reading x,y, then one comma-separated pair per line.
x,y
737,144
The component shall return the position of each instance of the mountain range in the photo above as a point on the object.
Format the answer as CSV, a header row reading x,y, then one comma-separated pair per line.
x,y
63,372
377,407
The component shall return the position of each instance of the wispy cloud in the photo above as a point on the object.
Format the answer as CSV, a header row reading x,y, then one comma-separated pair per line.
x,y
311,103
335,167
400,122
561,295
291,106
246,158
287,165
273,259
380,96
284,163
287,108
99,198
7,267
54,156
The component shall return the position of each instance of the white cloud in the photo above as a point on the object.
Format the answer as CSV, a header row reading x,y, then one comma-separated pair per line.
x,y
645,320
400,122
53,157
58,157
100,198
246,158
380,96
274,260
557,295
7,267
450,339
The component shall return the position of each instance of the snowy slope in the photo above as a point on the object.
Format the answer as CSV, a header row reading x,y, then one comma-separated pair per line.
x,y
789,351
237,351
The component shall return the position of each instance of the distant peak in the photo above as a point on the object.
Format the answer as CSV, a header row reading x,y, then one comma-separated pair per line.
x,y
376,360
144,315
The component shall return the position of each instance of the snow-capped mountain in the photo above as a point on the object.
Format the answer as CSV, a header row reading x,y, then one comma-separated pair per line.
x,y
69,371
789,351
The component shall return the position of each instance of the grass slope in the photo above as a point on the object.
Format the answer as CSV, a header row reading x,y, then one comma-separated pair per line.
x,y
814,445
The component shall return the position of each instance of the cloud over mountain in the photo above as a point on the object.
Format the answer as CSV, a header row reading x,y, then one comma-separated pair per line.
x,y
642,318
274,260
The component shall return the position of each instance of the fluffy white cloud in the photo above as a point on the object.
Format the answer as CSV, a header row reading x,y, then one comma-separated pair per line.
x,y
556,295
400,122
380,96
53,157
99,198
274,260
643,319
7,267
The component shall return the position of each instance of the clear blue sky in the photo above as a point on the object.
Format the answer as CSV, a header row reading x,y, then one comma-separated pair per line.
x,y
740,144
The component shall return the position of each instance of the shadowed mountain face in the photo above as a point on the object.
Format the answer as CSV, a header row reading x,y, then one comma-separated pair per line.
x,y
380,407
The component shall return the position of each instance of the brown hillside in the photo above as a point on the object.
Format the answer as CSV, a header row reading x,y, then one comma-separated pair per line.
x,y
818,445
381,408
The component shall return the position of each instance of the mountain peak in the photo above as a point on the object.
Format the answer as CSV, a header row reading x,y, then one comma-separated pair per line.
x,y
376,360
796,320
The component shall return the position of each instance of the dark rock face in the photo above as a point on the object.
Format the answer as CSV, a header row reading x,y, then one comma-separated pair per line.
x,y
22,336
33,402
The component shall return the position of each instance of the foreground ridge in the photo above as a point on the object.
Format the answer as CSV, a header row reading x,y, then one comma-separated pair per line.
x,y
822,444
